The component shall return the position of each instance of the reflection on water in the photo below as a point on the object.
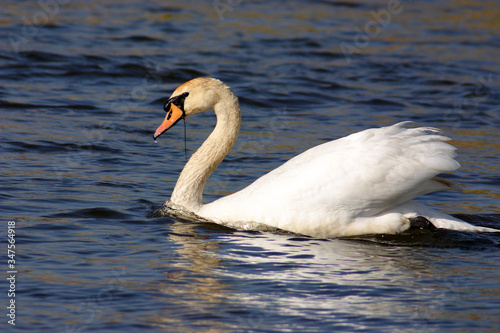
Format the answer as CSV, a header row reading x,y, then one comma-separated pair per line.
x,y
197,291
270,277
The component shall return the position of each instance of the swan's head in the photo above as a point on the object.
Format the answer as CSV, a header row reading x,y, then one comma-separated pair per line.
x,y
190,98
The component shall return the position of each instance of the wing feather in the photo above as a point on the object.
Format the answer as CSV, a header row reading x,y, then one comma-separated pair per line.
x,y
360,175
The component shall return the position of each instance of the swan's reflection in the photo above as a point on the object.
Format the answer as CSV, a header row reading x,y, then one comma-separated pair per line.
x,y
265,274
329,281
246,280
196,290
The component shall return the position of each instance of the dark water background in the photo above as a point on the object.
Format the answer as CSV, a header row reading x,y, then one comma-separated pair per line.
x,y
82,85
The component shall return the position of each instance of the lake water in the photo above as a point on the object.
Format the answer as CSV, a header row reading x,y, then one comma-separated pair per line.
x,y
82,87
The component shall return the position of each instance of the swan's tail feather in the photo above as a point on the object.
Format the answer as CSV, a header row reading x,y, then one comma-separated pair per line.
x,y
439,219
452,224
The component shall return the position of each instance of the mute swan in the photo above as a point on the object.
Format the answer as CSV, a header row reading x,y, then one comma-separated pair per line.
x,y
360,184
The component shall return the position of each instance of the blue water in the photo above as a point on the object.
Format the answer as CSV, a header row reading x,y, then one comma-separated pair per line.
x,y
82,87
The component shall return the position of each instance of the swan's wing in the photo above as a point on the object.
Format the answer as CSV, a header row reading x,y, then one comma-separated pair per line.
x,y
360,175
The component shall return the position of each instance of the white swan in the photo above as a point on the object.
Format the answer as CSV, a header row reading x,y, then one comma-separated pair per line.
x,y
360,184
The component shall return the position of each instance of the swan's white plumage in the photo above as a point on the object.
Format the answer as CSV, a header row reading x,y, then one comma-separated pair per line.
x,y
360,184
363,177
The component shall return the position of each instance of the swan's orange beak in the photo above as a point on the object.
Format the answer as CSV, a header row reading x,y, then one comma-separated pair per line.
x,y
174,114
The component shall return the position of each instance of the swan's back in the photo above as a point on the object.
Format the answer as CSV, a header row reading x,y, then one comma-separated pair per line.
x,y
362,175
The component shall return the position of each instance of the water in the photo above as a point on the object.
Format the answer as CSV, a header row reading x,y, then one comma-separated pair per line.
x,y
82,86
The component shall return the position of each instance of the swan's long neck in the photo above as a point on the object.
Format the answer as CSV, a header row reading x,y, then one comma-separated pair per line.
x,y
188,191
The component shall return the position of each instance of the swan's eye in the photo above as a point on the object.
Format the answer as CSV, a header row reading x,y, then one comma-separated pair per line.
x,y
179,100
